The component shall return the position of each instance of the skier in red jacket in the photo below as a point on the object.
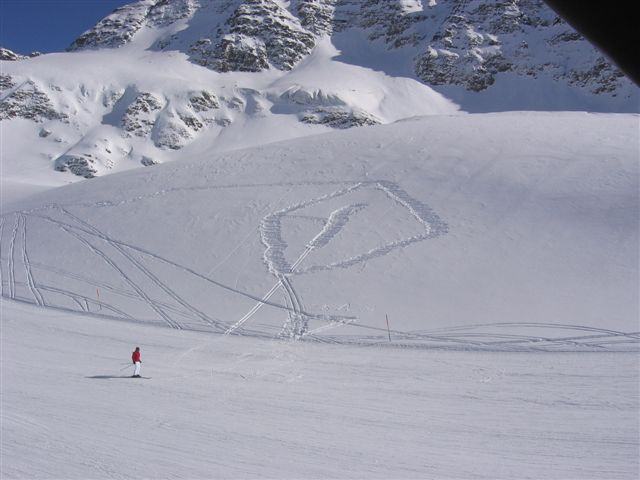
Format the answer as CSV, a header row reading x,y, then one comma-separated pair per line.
x,y
135,358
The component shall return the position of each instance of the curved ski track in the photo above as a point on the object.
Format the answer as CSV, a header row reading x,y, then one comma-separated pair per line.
x,y
471,337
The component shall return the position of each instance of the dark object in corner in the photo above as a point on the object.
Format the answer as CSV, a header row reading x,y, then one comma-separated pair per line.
x,y
610,26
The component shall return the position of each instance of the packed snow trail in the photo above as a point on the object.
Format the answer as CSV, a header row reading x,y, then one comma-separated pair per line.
x,y
453,415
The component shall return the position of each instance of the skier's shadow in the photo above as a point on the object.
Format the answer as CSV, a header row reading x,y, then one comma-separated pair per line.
x,y
107,377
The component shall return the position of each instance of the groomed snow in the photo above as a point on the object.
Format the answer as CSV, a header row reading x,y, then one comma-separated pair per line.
x,y
228,407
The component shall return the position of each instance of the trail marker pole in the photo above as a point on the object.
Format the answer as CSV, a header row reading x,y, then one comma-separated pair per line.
x,y
98,297
388,330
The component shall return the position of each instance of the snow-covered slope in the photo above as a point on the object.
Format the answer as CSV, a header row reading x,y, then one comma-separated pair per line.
x,y
121,109
223,407
493,231
454,42
443,240
158,75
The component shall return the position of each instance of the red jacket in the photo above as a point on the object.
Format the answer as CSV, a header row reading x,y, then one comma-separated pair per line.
x,y
135,356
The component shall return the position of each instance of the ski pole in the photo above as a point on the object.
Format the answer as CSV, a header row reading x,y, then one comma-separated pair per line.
x,y
126,366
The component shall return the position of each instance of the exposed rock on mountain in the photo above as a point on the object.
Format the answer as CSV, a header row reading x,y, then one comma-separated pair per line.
x,y
26,101
81,165
457,42
317,107
601,77
479,40
96,152
140,116
172,132
317,16
340,118
301,96
204,101
120,27
116,29
258,34
148,162
393,21
6,82
9,56
274,69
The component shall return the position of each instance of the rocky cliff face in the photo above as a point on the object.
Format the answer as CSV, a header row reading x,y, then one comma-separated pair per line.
x,y
480,40
257,35
121,26
455,42
116,29
27,101
10,56
242,46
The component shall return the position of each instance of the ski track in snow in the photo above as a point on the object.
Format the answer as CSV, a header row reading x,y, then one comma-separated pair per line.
x,y
85,306
473,337
156,257
336,221
267,296
275,246
102,285
154,304
434,226
12,274
274,257
271,231
125,277
27,265
154,279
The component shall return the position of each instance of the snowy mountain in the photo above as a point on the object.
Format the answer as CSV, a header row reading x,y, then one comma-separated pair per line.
x,y
10,56
456,42
158,75
344,241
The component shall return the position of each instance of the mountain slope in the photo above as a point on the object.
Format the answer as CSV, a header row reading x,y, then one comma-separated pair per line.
x,y
457,42
121,112
227,408
516,222
158,75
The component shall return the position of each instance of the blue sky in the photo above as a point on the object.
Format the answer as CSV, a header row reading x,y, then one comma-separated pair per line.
x,y
49,25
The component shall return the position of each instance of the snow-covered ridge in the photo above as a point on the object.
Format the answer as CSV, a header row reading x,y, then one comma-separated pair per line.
x,y
453,42
10,56
159,76
120,113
